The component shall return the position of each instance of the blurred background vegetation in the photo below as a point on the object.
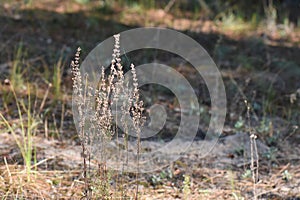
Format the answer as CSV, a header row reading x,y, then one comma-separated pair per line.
x,y
282,11
255,45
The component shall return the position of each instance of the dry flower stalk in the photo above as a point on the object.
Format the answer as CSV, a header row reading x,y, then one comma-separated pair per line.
x,y
96,130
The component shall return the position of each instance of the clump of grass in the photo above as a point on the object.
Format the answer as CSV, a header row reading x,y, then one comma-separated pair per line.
x,y
232,22
95,131
28,127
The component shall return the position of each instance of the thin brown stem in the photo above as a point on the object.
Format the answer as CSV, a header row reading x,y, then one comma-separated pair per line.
x,y
85,171
253,152
138,166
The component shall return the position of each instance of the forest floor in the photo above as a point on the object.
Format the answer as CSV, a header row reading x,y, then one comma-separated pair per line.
x,y
256,64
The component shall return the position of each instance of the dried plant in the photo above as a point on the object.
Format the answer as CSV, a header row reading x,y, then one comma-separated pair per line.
x,y
254,166
97,130
138,119
80,100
